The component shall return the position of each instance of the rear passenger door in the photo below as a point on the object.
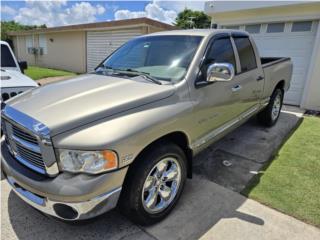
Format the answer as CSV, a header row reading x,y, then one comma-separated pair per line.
x,y
250,78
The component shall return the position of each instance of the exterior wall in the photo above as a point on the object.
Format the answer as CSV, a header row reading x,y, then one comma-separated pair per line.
x,y
20,50
311,96
66,51
223,6
261,15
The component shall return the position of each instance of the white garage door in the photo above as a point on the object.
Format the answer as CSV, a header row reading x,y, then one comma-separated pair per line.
x,y
100,44
287,39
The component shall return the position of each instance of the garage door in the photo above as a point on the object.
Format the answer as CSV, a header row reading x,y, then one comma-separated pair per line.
x,y
100,44
287,39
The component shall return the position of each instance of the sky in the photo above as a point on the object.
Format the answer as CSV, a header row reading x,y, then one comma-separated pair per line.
x,y
63,12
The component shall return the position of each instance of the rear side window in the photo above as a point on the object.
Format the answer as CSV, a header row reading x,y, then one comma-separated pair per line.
x,y
221,51
6,57
246,54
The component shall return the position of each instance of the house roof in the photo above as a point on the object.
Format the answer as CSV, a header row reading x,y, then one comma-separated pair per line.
x,y
99,25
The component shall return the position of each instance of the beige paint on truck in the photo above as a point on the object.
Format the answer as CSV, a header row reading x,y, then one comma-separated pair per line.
x,y
128,114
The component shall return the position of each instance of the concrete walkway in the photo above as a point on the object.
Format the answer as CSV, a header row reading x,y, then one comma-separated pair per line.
x,y
210,207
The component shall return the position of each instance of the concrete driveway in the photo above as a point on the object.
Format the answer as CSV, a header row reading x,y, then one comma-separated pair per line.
x,y
210,207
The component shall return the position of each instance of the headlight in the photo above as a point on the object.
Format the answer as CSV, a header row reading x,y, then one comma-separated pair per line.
x,y
87,161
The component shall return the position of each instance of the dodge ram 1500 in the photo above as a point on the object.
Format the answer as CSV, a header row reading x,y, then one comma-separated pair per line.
x,y
125,134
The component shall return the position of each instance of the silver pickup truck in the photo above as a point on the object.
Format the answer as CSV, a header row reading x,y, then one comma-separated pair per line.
x,y
125,135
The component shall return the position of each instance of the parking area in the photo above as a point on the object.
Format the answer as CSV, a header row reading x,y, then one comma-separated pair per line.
x,y
210,207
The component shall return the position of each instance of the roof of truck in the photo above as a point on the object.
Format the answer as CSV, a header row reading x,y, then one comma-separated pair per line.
x,y
197,32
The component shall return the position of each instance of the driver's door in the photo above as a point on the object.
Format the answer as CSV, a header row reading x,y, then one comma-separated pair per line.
x,y
217,103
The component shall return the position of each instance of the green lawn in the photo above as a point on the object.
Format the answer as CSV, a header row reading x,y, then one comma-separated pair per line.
x,y
38,72
291,183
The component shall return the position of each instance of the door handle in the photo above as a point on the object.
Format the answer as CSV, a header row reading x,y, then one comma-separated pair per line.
x,y
236,88
260,78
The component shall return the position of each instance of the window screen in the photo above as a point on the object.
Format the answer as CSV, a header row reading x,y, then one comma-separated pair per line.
x,y
253,28
246,54
275,27
221,51
301,26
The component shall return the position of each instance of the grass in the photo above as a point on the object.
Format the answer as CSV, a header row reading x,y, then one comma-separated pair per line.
x,y
38,72
291,183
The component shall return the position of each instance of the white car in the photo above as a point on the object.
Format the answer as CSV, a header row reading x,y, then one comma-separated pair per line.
x,y
13,81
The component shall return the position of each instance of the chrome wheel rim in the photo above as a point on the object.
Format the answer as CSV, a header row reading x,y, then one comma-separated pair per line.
x,y
161,185
276,107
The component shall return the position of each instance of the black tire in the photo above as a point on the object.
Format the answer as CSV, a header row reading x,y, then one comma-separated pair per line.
x,y
266,117
131,199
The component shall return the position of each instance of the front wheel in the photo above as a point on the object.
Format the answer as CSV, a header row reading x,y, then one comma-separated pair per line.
x,y
269,116
154,184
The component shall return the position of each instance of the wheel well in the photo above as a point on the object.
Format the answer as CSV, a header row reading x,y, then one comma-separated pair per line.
x,y
280,85
181,140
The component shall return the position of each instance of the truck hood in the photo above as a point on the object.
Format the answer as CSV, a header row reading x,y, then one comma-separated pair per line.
x,y
14,78
68,104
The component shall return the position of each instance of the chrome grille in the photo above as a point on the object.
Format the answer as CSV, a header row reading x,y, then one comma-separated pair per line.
x,y
23,135
29,141
24,147
32,157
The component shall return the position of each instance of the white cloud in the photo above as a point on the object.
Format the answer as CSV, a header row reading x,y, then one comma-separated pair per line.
x,y
180,5
152,10
8,10
56,13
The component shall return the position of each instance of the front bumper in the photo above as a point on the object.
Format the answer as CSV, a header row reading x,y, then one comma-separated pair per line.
x,y
66,196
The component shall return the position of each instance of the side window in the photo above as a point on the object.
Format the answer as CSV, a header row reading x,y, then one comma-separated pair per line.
x,y
221,51
246,54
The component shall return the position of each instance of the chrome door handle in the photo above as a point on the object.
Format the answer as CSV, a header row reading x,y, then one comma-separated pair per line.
x,y
260,78
236,88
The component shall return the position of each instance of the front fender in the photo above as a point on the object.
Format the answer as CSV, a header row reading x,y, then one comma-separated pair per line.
x,y
130,132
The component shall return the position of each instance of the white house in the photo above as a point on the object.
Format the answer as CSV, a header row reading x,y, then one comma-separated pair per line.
x,y
283,29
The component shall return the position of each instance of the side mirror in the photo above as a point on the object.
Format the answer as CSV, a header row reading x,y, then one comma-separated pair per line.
x,y
23,65
220,72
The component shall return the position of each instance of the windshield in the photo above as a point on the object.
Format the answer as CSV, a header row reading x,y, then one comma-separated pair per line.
x,y
6,57
161,57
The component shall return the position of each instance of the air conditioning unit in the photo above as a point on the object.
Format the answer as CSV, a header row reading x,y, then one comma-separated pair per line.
x,y
30,50
40,51
33,50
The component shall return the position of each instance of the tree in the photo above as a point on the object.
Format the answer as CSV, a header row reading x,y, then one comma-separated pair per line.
x,y
192,19
8,26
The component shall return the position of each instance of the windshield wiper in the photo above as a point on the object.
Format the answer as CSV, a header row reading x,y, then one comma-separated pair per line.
x,y
145,75
131,71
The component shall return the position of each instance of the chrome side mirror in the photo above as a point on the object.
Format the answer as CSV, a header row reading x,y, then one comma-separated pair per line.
x,y
220,72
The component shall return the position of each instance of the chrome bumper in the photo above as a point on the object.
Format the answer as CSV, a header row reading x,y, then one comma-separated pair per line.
x,y
68,211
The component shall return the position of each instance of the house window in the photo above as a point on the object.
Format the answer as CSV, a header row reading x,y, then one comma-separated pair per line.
x,y
275,27
254,28
231,27
29,43
301,26
43,43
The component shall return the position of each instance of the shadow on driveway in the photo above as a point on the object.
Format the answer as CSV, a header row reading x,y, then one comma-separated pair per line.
x,y
202,205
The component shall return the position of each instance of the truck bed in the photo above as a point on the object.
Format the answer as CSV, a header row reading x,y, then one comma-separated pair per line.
x,y
276,69
268,61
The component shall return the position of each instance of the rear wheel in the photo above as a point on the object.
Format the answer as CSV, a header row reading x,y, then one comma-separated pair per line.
x,y
269,116
154,184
